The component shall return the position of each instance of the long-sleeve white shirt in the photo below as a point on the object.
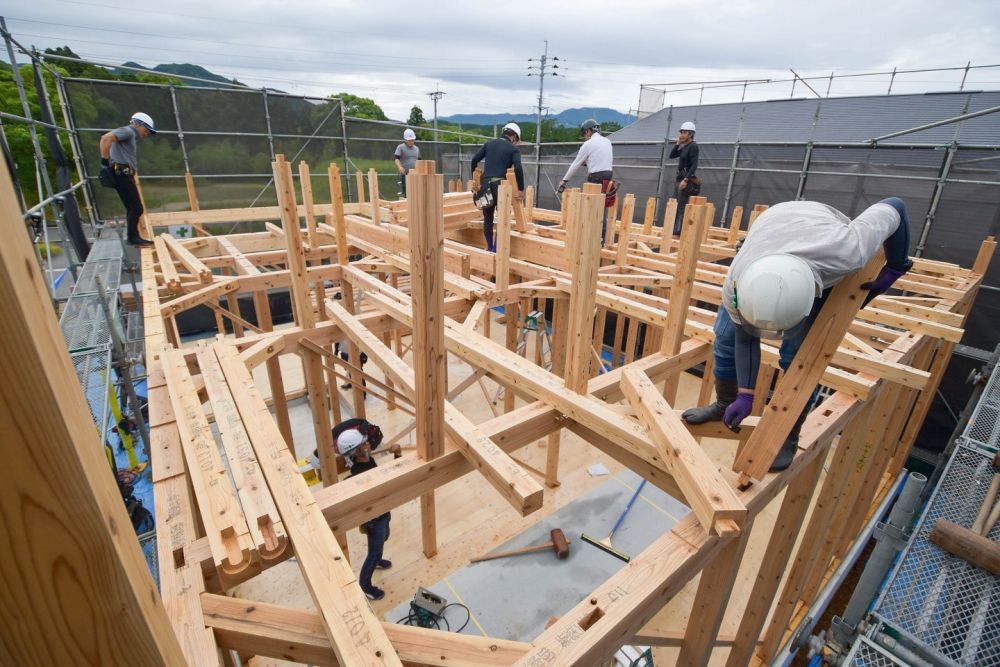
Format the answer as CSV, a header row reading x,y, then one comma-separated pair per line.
x,y
595,153
831,244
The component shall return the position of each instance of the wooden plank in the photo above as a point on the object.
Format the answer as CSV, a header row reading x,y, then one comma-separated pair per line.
x,y
68,541
298,635
353,629
709,495
221,513
266,530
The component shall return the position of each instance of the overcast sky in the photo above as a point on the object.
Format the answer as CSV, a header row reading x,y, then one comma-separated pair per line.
x,y
478,53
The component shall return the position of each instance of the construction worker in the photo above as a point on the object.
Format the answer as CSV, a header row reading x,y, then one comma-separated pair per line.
x,y
685,151
119,164
791,258
499,155
355,444
407,154
597,154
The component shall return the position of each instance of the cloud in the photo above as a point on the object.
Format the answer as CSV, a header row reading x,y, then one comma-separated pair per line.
x,y
479,54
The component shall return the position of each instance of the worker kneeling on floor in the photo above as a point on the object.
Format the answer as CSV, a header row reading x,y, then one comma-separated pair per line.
x,y
356,445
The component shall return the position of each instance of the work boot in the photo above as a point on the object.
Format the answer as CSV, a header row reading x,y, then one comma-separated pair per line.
x,y
787,452
725,393
140,242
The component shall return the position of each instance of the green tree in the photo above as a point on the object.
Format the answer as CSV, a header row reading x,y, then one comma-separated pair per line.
x,y
361,107
416,116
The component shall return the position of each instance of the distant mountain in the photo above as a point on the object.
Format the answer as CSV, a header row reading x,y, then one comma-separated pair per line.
x,y
569,117
181,69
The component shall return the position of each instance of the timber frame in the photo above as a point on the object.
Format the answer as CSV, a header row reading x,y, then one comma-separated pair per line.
x,y
425,275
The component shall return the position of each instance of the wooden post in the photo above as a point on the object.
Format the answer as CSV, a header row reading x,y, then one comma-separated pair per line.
x,y
585,253
75,582
680,292
359,178
346,289
423,190
273,365
374,194
647,221
560,315
667,231
529,204
502,255
193,201
305,183
305,316
775,560
734,226
628,211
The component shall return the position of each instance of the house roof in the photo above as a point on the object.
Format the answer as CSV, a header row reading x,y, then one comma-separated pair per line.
x,y
847,119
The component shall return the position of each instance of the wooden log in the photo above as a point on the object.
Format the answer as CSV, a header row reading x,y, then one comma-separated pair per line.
x,y
967,545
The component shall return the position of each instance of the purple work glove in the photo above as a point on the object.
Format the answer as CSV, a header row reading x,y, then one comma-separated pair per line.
x,y
886,277
738,410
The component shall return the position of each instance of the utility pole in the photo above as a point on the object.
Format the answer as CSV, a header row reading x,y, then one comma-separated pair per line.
x,y
540,69
435,96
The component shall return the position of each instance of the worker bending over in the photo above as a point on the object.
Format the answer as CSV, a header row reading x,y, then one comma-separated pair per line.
x,y
791,258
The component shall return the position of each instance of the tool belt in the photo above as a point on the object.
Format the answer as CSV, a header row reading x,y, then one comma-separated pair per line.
x,y
608,186
123,169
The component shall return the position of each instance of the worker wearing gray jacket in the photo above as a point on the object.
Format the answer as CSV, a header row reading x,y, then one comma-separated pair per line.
x,y
791,258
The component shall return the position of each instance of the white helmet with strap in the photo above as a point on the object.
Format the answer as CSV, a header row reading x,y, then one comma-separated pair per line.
x,y
512,127
145,120
773,295
687,126
349,442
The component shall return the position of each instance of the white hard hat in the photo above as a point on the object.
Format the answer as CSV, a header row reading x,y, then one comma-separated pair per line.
x,y
409,134
144,119
774,294
687,126
513,127
349,441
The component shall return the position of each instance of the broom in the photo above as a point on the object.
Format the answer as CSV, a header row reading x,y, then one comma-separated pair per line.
x,y
605,544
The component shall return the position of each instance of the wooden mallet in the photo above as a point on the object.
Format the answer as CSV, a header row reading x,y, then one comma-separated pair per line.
x,y
558,543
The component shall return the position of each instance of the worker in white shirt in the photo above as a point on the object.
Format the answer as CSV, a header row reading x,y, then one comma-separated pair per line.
x,y
596,153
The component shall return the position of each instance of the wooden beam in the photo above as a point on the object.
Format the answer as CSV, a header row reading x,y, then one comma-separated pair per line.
x,y
192,264
353,629
709,495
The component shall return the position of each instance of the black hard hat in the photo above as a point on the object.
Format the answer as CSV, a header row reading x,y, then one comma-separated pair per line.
x,y
590,124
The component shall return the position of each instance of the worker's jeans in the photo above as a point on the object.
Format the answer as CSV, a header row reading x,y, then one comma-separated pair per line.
x,y
378,533
725,345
